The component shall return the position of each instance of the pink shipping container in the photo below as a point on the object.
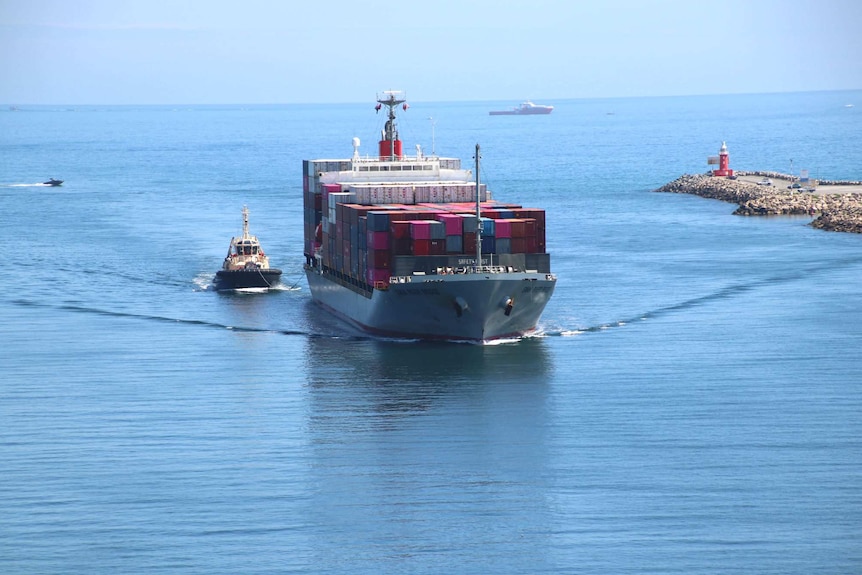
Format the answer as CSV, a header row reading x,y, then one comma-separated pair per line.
x,y
454,224
420,230
503,228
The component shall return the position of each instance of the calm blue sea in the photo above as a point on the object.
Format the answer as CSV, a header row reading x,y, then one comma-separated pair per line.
x,y
694,404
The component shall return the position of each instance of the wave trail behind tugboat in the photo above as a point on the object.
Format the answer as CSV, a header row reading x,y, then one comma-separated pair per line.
x,y
415,247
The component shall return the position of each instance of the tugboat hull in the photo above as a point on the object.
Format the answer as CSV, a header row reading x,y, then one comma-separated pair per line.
x,y
243,279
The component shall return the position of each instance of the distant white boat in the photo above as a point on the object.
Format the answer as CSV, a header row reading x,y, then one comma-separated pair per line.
x,y
525,109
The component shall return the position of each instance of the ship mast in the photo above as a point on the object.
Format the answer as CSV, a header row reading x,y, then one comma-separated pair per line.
x,y
390,145
478,216
245,222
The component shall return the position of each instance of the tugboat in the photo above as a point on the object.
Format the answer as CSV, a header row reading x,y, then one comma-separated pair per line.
x,y
53,182
246,266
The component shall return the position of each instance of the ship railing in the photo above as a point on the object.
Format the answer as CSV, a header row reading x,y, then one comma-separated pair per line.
x,y
442,271
374,159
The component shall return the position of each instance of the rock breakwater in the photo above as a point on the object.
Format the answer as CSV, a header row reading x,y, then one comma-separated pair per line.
x,y
840,212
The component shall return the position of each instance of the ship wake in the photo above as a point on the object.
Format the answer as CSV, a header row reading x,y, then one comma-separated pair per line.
x,y
726,293
187,321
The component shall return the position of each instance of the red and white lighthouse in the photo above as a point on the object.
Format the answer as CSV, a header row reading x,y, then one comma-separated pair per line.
x,y
723,162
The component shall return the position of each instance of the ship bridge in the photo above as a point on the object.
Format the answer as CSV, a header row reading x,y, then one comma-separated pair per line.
x,y
403,170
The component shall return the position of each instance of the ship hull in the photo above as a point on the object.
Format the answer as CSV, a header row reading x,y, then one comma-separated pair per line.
x,y
244,279
459,307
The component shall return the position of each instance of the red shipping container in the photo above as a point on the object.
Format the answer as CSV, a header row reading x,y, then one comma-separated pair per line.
x,y
519,245
519,228
352,212
437,247
400,246
530,228
469,242
532,213
421,247
377,240
377,259
376,275
400,229
345,254
399,216
532,245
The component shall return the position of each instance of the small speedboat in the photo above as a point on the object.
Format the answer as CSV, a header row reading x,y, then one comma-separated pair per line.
x,y
246,266
53,182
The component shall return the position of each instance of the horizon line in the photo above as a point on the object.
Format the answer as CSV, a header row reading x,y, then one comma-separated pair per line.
x,y
568,98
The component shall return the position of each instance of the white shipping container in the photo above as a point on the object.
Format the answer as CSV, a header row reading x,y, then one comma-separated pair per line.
x,y
422,195
436,195
405,195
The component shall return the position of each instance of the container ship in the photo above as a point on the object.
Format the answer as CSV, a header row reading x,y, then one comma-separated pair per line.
x,y
415,247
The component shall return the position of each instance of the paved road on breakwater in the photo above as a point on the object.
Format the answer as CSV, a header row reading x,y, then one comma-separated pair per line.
x,y
782,181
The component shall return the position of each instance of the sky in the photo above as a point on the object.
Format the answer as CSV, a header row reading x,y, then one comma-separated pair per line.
x,y
101,52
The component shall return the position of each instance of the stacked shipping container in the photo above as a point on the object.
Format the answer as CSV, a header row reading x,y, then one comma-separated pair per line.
x,y
361,229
